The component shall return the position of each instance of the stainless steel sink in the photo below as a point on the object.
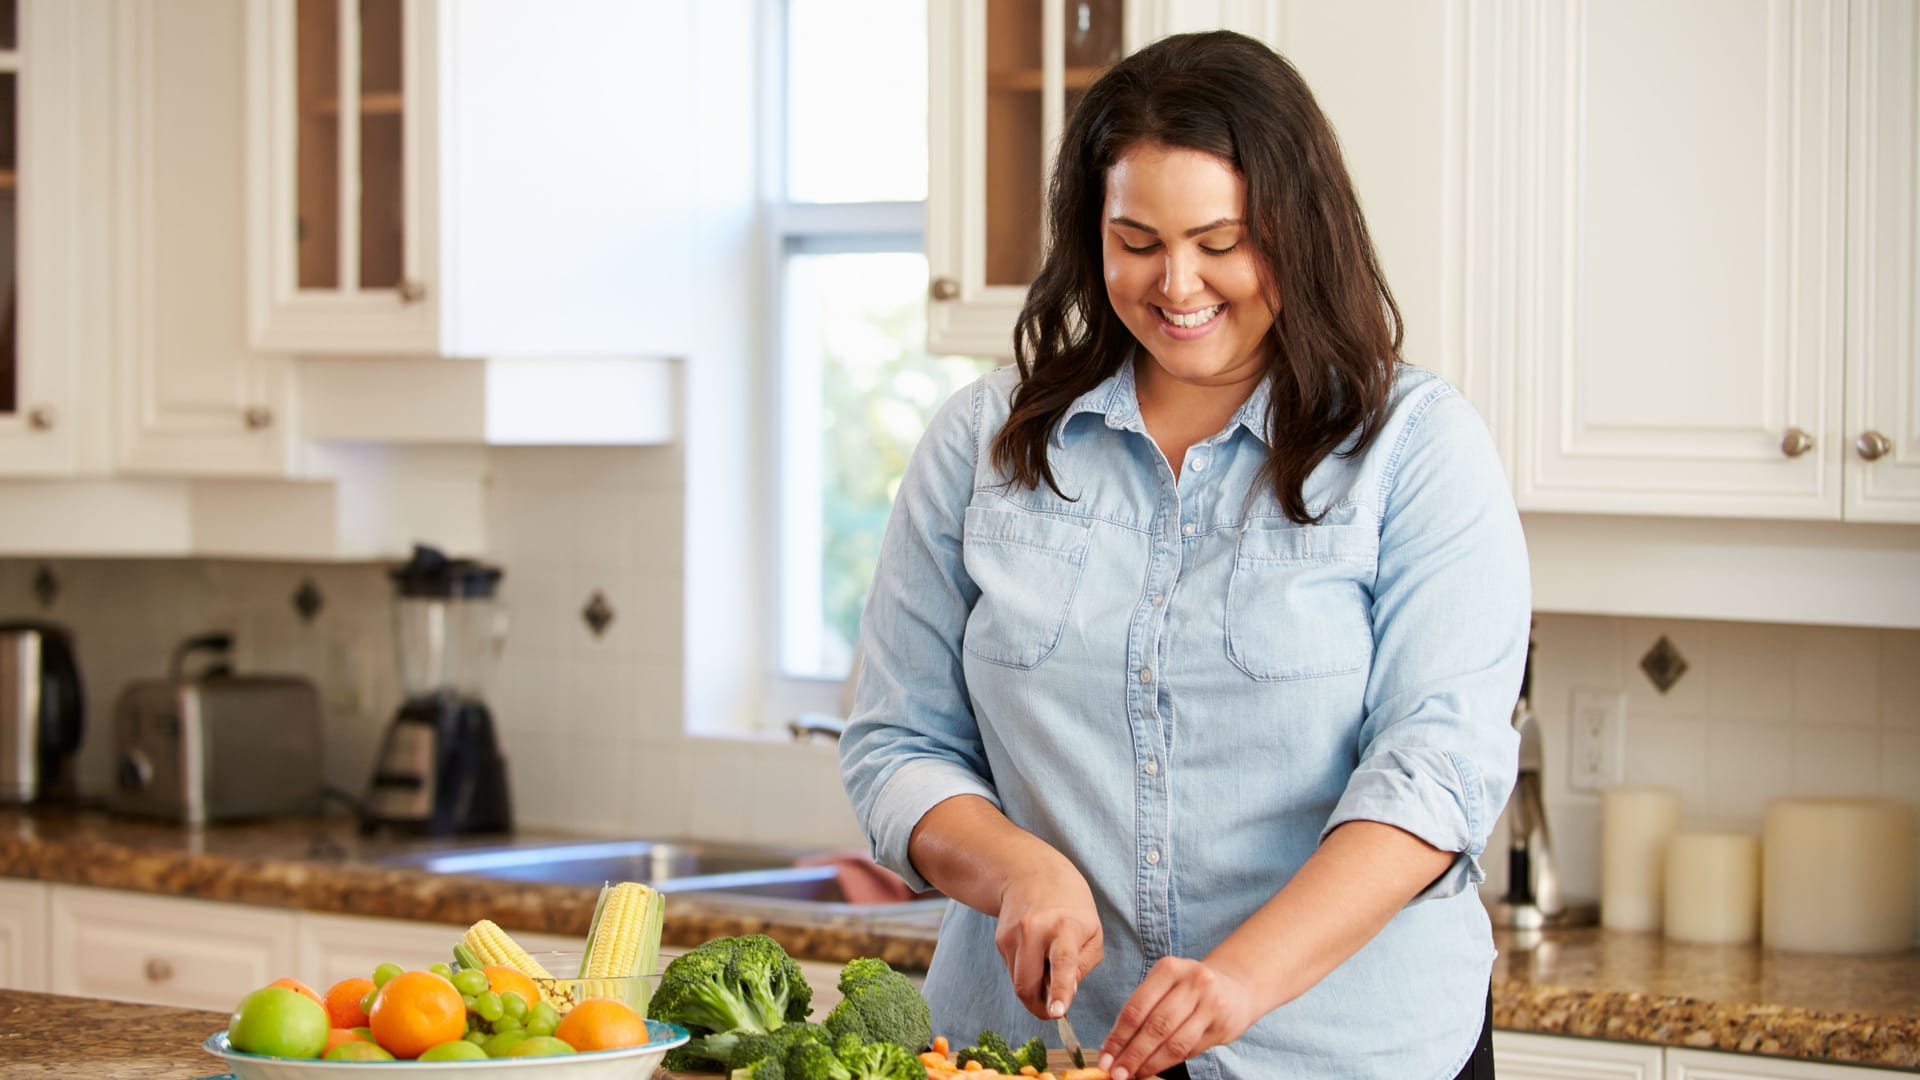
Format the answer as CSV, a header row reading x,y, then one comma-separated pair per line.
x,y
759,876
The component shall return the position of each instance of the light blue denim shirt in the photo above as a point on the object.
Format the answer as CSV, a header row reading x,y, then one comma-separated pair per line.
x,y
1183,692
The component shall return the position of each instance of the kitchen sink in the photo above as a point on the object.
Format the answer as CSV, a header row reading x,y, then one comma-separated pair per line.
x,y
756,876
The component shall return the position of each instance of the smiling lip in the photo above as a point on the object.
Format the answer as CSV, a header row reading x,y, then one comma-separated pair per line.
x,y
1189,333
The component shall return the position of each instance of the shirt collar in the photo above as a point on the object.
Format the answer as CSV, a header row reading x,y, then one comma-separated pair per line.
x,y
1117,399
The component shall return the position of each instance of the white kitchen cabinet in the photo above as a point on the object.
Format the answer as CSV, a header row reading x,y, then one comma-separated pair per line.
x,y
1522,1056
1003,76
23,935
1710,1065
446,177
335,947
1658,199
54,419
191,396
190,953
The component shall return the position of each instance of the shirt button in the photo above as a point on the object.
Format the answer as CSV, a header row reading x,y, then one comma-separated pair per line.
x,y
1159,598
1146,674
1153,856
1199,464
1153,767
1187,529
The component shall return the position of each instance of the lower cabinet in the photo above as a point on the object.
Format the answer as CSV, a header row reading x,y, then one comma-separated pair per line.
x,y
1710,1065
335,947
1519,1056
23,935
164,951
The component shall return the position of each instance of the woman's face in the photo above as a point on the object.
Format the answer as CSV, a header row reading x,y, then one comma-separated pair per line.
x,y
1180,272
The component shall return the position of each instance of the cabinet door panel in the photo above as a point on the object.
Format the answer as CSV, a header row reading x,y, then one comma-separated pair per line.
x,y
1520,1056
1883,237
1676,263
23,935
190,953
1708,1065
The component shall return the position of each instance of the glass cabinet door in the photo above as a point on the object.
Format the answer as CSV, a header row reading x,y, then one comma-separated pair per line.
x,y
9,207
349,152
1041,56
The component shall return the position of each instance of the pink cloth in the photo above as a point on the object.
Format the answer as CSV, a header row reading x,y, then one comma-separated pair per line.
x,y
863,881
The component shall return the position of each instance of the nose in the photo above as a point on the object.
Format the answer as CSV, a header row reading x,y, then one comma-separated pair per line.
x,y
1181,276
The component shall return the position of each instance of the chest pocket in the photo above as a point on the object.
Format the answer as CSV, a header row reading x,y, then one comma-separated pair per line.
x,y
1028,567
1297,604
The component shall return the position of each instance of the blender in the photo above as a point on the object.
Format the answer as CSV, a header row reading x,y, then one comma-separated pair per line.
x,y
440,770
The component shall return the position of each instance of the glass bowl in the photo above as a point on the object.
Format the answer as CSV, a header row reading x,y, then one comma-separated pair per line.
x,y
567,990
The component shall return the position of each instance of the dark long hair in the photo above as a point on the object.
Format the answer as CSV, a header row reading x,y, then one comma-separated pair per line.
x,y
1337,333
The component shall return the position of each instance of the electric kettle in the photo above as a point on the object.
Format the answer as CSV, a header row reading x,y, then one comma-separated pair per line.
x,y
41,711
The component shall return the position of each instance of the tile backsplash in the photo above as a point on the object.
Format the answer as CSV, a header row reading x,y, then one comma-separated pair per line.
x,y
1762,711
593,724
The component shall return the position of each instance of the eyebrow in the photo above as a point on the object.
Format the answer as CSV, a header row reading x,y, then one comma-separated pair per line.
x,y
1198,230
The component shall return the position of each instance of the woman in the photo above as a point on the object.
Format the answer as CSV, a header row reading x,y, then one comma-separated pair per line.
x,y
1194,638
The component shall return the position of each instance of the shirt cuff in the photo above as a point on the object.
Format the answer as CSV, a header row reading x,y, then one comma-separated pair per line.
x,y
915,788
1413,790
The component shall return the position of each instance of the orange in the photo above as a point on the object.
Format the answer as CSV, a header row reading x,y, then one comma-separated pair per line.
x,y
601,1024
502,979
416,1010
338,1035
343,1002
301,988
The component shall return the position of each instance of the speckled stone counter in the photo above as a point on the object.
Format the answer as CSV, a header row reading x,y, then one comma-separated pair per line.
x,y
48,1035
1606,984
1594,983
325,865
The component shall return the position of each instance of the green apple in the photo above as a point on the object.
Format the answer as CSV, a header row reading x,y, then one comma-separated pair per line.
x,y
498,1044
457,1050
538,1046
358,1051
279,1022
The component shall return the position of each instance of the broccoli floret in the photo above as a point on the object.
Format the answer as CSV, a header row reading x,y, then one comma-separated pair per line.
x,y
882,1061
992,1052
751,1048
745,985
767,1068
809,1060
880,1005
1034,1054
686,1059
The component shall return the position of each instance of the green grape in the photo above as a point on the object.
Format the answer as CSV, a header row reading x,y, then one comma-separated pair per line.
x,y
476,1036
542,1019
514,1005
489,1006
366,1000
441,970
386,971
507,1022
470,982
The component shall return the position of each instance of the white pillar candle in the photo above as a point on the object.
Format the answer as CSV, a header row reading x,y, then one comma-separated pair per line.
x,y
1635,823
1712,887
1838,875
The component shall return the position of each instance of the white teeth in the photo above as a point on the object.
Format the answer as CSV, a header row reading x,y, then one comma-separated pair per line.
x,y
1190,321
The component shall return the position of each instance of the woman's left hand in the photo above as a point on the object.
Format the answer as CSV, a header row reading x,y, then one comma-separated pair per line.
x,y
1183,1008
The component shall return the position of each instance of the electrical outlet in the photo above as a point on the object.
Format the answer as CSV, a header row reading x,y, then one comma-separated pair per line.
x,y
1599,739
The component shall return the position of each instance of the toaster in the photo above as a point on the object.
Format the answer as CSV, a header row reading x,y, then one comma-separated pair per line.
x,y
217,746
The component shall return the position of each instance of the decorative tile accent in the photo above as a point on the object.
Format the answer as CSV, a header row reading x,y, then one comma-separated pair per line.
x,y
598,613
46,587
1663,664
308,601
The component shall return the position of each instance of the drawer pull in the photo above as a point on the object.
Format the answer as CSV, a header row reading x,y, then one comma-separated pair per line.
x,y
159,969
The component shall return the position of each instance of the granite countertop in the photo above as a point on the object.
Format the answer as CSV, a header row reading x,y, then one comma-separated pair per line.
x,y
50,1035
1595,983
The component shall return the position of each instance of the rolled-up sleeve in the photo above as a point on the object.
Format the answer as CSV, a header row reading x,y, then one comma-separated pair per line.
x,y
912,741
1450,613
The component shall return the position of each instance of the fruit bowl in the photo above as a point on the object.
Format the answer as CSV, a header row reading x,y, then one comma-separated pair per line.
x,y
632,1063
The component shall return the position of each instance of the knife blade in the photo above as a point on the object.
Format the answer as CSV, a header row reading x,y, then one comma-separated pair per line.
x,y
1072,1043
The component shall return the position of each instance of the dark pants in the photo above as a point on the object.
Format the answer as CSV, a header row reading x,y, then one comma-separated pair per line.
x,y
1478,1067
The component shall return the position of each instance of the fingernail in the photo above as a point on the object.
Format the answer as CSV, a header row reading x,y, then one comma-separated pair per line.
x,y
1106,1061
1056,1009
1119,1074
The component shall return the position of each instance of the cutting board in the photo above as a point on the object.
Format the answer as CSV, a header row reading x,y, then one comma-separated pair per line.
x,y
1057,1061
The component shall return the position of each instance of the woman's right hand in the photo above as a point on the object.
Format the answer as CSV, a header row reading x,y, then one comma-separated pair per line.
x,y
1049,934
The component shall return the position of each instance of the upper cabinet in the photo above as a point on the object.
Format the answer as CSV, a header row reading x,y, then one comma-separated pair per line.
x,y
1003,77
469,179
53,262
1695,229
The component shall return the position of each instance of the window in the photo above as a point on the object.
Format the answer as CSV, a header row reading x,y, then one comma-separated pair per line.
x,y
856,385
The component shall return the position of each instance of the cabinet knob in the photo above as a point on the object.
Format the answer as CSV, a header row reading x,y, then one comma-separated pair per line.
x,y
159,969
258,417
1795,442
40,418
1873,446
944,288
411,292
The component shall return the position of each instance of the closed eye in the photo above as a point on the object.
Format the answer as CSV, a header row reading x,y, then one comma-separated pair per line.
x,y
1228,250
1131,250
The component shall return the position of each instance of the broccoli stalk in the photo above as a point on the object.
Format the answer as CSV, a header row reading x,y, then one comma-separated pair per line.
x,y
880,1005
726,990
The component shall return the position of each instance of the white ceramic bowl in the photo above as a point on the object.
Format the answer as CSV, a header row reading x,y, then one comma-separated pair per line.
x,y
633,1063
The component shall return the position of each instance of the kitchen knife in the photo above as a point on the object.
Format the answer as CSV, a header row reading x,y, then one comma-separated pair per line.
x,y
1072,1043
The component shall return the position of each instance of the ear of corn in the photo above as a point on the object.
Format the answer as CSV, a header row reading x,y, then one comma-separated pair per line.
x,y
624,942
486,944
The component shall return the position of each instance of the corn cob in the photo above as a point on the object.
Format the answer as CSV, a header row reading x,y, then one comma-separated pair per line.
x,y
624,942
